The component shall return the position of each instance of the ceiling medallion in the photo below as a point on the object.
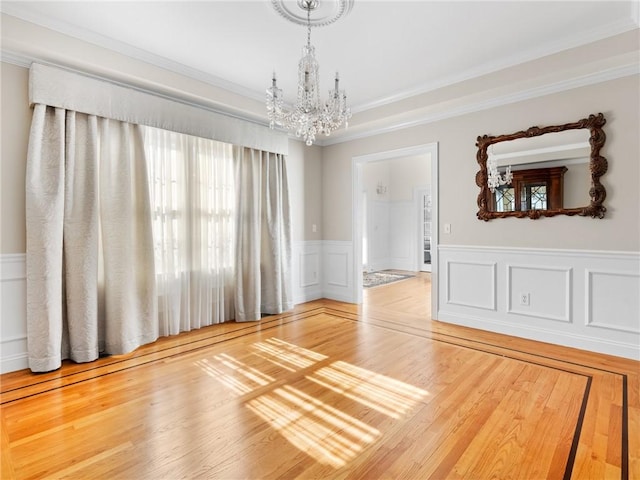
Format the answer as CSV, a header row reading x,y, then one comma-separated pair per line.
x,y
325,12
309,116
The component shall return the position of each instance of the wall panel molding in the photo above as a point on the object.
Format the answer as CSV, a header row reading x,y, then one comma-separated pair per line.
x,y
548,291
320,269
13,313
621,288
337,266
582,299
471,284
307,271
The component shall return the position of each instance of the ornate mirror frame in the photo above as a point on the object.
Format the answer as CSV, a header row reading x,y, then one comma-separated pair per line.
x,y
597,165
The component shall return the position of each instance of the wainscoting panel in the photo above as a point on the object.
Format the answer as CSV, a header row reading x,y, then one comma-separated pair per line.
x,y
13,313
337,274
604,288
307,271
582,299
543,292
470,284
320,269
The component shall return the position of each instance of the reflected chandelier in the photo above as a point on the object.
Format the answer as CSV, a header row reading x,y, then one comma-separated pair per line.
x,y
308,117
494,179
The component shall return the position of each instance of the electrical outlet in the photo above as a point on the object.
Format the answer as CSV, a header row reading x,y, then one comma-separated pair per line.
x,y
524,299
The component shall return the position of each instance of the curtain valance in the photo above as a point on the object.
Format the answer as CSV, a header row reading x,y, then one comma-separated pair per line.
x,y
70,90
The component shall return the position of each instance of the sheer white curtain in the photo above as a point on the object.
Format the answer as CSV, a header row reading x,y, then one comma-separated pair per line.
x,y
90,286
222,231
263,259
193,203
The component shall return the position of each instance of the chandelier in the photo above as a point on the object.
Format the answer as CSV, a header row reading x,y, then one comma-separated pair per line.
x,y
308,117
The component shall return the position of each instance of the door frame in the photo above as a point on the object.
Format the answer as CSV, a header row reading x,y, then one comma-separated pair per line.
x,y
357,164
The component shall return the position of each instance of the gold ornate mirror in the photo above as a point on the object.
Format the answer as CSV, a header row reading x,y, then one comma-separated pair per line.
x,y
543,171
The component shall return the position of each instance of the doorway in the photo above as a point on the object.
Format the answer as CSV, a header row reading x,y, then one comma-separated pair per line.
x,y
362,204
424,208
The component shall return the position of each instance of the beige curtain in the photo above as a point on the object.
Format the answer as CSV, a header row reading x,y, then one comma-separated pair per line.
x,y
90,285
263,258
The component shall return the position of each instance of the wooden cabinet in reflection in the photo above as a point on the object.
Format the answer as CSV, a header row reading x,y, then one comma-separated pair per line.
x,y
533,189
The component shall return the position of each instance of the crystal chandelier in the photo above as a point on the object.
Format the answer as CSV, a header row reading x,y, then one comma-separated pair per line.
x,y
495,180
308,117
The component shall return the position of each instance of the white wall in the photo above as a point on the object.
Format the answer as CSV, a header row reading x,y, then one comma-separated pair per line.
x,y
456,137
16,120
593,262
304,167
582,274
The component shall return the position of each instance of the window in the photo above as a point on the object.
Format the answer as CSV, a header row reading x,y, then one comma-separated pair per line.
x,y
192,201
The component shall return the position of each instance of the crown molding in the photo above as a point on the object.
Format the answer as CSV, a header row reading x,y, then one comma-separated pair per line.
x,y
486,104
15,59
629,69
497,101
83,34
534,53
358,132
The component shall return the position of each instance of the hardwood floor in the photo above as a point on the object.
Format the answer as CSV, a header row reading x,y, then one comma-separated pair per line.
x,y
330,390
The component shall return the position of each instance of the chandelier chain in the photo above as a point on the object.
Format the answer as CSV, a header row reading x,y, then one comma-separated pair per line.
x,y
308,27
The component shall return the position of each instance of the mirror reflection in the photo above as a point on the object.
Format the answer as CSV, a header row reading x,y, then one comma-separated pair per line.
x,y
543,171
547,172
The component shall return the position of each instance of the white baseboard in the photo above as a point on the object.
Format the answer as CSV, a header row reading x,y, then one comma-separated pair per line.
x,y
567,339
14,354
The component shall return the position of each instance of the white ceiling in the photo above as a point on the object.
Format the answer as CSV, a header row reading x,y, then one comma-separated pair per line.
x,y
384,50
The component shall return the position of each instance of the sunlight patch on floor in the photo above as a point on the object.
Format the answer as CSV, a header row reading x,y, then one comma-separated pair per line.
x,y
234,374
384,394
285,354
325,433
